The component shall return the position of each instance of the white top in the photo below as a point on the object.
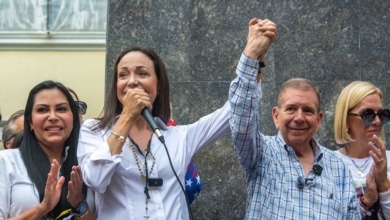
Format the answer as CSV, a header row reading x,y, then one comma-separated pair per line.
x,y
119,190
17,192
360,179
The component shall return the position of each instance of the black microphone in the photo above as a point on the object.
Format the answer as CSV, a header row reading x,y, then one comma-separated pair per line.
x,y
317,169
152,124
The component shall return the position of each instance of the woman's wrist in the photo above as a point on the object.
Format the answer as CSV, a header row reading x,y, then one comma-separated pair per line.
x,y
81,210
366,202
88,213
262,56
384,193
262,60
76,202
42,209
384,187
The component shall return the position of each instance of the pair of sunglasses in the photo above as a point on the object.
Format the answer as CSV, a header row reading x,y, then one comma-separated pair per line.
x,y
368,116
82,107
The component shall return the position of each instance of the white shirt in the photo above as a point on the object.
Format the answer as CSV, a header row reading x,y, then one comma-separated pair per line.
x,y
360,180
119,189
17,192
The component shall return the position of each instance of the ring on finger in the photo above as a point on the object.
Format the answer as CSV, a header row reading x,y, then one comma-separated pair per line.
x,y
380,160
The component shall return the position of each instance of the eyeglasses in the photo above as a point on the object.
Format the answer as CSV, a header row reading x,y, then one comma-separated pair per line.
x,y
368,116
82,107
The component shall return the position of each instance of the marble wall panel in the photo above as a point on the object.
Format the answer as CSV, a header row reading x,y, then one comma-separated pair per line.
x,y
331,42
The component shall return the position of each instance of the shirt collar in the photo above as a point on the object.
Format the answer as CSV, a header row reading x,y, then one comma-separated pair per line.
x,y
314,143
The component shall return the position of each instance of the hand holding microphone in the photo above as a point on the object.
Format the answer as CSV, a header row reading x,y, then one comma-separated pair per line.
x,y
152,124
134,101
137,98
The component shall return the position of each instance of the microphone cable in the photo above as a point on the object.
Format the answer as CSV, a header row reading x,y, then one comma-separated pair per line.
x,y
178,180
152,124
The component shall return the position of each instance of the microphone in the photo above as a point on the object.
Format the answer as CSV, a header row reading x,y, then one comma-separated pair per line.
x,y
317,169
152,124
302,181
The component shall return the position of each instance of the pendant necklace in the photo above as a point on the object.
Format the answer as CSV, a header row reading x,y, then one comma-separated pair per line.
x,y
144,173
361,168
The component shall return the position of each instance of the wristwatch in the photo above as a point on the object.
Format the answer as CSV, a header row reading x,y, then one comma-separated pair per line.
x,y
81,209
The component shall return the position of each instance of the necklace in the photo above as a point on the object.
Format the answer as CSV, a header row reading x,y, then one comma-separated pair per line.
x,y
144,173
361,168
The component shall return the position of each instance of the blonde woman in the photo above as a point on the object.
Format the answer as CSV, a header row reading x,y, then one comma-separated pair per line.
x,y
358,127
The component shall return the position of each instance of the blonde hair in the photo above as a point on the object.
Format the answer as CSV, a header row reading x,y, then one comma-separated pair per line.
x,y
350,97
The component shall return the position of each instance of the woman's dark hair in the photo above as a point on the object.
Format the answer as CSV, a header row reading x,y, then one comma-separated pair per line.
x,y
112,106
36,160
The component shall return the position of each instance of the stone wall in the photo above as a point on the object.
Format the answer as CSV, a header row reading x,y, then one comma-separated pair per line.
x,y
331,42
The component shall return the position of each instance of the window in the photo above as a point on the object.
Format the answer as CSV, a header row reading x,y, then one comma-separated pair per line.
x,y
53,24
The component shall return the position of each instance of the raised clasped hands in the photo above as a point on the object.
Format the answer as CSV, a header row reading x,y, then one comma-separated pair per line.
x,y
261,34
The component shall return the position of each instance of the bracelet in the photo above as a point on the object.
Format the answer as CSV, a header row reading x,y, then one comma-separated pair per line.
x,y
118,137
81,210
82,216
262,64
